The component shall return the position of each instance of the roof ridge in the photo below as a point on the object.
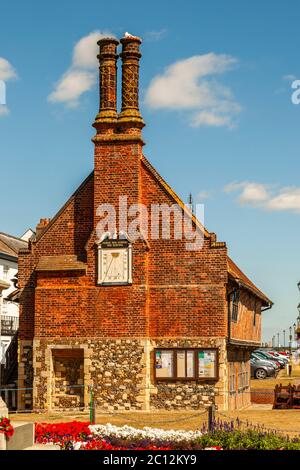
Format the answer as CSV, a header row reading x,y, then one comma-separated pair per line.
x,y
13,236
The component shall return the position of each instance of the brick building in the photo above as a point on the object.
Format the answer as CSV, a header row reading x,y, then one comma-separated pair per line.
x,y
148,322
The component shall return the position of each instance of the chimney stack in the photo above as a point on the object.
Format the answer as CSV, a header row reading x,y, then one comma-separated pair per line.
x,y
108,82
130,117
41,226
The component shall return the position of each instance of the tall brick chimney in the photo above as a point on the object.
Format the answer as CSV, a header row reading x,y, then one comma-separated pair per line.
x,y
130,117
107,83
118,141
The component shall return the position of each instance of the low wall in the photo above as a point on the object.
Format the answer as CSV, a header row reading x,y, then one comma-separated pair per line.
x,y
262,396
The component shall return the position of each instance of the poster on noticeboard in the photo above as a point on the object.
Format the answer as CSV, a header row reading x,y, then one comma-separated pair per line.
x,y
207,364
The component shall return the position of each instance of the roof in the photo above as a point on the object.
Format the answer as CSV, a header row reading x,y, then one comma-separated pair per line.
x,y
11,245
60,263
241,278
14,296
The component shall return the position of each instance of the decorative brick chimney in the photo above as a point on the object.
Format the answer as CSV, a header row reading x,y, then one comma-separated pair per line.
x,y
118,141
130,119
107,56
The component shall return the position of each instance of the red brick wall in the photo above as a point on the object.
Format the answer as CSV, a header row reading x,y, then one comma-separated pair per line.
x,y
175,292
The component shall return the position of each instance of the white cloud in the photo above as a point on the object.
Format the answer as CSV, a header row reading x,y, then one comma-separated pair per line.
x,y
184,86
71,86
7,72
81,76
266,197
288,199
152,36
202,195
289,78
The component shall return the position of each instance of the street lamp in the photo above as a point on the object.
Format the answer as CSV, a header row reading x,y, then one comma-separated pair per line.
x,y
290,340
278,340
284,338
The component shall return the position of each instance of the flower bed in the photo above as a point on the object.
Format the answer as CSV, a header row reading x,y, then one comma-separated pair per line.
x,y
83,436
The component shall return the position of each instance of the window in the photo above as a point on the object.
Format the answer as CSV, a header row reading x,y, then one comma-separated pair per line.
x,y
4,307
235,300
231,377
243,376
5,272
186,364
254,312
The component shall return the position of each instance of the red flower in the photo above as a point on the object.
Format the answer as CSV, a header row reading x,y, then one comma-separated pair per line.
x,y
6,427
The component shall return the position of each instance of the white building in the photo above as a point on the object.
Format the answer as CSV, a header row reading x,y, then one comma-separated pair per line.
x,y
9,248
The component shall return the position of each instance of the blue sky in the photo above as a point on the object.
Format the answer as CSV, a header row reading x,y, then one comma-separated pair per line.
x,y
225,129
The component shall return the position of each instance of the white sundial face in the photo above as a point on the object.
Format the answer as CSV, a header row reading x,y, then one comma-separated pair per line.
x,y
115,265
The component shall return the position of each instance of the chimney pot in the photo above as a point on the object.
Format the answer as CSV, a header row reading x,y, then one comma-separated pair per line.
x,y
41,225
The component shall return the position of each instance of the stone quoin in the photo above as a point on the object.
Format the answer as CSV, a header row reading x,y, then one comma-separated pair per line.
x,y
147,322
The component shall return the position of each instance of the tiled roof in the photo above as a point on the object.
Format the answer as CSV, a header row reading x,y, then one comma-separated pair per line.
x,y
14,296
60,263
238,275
11,245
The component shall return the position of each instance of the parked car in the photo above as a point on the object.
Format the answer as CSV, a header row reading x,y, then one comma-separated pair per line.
x,y
265,356
271,362
284,353
279,355
261,369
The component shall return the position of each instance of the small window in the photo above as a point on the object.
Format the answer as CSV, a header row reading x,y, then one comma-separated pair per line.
x,y
186,364
5,272
235,300
4,307
254,312
243,376
232,378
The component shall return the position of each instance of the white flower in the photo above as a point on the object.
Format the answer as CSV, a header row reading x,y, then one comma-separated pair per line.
x,y
152,434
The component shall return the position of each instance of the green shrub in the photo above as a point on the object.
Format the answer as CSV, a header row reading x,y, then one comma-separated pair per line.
x,y
248,440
